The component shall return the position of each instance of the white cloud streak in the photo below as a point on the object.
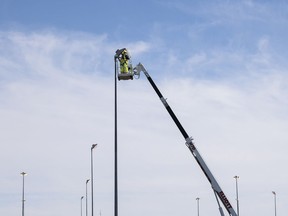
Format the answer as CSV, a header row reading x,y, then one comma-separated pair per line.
x,y
57,99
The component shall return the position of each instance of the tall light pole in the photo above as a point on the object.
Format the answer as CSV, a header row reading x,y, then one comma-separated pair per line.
x,y
115,146
92,203
86,197
198,205
274,193
81,204
23,200
237,198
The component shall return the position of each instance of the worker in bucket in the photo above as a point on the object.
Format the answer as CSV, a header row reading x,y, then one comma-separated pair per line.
x,y
124,61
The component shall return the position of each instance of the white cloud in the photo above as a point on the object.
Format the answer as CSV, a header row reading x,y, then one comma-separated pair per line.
x,y
57,98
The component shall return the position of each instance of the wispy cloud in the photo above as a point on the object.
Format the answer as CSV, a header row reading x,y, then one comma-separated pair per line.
x,y
57,99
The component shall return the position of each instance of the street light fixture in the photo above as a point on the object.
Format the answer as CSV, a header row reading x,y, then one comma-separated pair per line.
x,y
237,198
23,200
92,203
274,193
198,205
86,197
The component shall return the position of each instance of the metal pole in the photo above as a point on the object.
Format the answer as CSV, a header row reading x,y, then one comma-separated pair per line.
x,y
81,204
92,196
23,200
198,205
115,160
237,198
86,198
274,202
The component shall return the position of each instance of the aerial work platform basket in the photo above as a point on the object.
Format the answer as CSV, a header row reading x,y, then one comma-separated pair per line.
x,y
123,65
126,75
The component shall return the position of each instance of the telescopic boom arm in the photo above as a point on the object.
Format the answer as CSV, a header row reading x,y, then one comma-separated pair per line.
x,y
219,194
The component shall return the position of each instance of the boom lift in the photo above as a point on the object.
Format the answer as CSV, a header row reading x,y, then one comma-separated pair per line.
x,y
219,194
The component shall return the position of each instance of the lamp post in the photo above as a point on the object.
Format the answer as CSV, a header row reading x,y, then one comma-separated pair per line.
x,y
115,146
198,205
81,204
274,193
23,200
237,198
86,197
92,203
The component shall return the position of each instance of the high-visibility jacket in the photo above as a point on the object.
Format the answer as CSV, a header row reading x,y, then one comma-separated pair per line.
x,y
124,60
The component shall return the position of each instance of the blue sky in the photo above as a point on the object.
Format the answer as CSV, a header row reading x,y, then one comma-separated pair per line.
x,y
221,64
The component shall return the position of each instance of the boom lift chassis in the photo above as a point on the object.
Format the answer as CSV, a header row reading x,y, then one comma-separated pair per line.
x,y
219,194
